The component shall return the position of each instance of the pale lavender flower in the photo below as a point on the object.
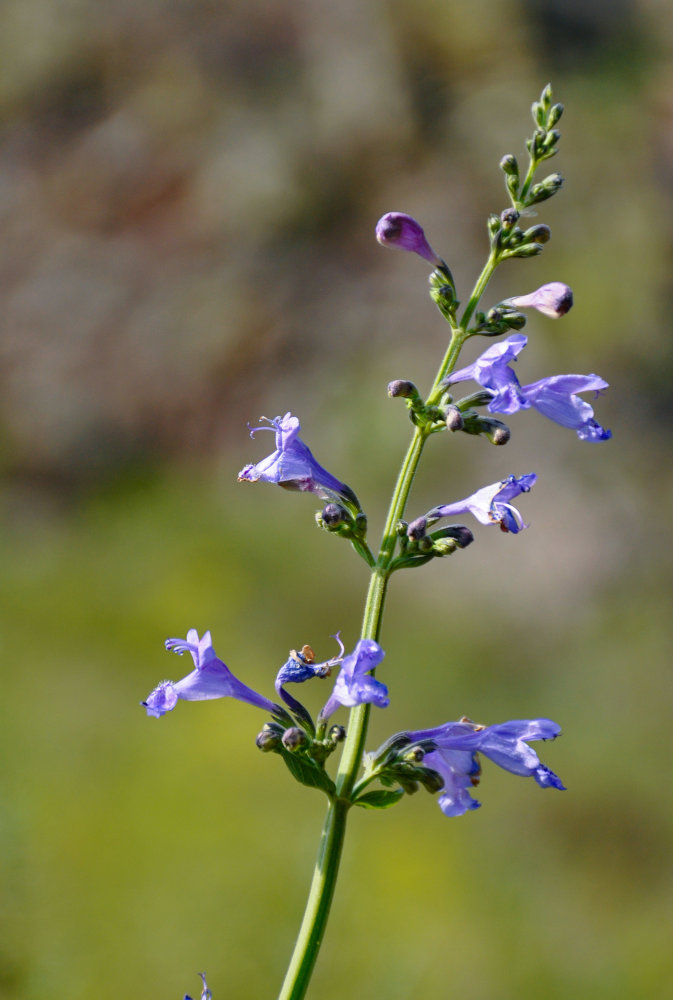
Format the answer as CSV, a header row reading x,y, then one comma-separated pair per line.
x,y
211,678
354,685
293,466
454,756
491,504
554,300
556,396
395,229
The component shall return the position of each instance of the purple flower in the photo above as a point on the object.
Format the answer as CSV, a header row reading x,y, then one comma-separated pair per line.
x,y
554,300
456,744
555,397
395,229
293,466
211,678
354,685
491,504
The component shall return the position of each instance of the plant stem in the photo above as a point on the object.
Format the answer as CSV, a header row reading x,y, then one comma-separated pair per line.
x,y
320,896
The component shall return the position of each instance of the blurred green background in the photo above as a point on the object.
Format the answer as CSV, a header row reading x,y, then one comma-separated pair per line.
x,y
188,192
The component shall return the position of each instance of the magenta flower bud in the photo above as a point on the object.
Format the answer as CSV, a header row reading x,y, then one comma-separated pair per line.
x,y
395,229
554,299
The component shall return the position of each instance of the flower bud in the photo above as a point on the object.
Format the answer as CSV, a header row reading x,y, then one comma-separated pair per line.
x,y
498,433
267,740
545,189
395,229
509,217
337,733
553,299
444,547
509,165
401,387
294,738
554,115
537,234
432,780
454,418
493,224
417,528
334,514
527,250
414,756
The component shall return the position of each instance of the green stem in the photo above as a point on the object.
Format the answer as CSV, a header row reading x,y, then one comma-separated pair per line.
x,y
319,901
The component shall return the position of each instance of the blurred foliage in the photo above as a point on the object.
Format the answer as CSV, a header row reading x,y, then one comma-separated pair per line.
x,y
188,193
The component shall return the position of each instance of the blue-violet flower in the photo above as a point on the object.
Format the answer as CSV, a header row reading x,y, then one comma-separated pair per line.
x,y
293,466
491,504
395,229
354,685
554,300
455,748
211,678
555,397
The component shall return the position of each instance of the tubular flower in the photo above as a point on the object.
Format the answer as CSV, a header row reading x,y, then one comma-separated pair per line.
x,y
454,756
554,300
491,504
293,466
211,678
555,397
395,229
354,685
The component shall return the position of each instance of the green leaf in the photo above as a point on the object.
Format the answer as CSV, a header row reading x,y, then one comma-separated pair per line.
x,y
379,799
307,772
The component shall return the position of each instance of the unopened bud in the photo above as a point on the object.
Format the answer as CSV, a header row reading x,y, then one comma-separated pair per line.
x,y
396,229
509,217
545,189
334,514
444,547
266,741
401,387
414,756
537,234
338,734
553,300
509,165
454,418
554,115
294,738
417,528
432,780
527,250
496,432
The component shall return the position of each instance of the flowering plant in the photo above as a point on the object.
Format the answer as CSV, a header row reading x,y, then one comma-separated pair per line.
x,y
444,759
